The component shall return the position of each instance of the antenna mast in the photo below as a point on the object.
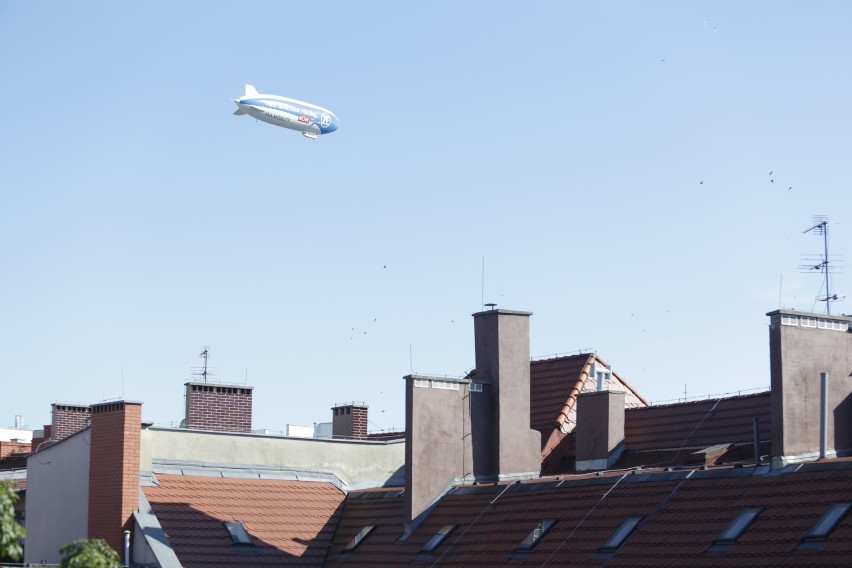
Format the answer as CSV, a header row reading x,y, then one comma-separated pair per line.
x,y
820,227
204,355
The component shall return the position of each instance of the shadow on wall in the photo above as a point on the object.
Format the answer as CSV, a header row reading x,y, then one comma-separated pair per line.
x,y
843,426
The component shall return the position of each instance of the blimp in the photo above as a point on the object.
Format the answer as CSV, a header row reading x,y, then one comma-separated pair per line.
x,y
309,119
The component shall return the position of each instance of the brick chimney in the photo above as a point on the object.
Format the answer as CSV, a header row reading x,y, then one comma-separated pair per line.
x,y
802,345
600,429
114,469
349,421
41,436
68,419
219,407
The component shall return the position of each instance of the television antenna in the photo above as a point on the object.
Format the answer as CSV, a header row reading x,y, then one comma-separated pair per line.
x,y
820,228
204,372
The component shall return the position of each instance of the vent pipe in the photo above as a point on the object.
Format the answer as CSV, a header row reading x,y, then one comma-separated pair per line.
x,y
756,423
126,549
823,414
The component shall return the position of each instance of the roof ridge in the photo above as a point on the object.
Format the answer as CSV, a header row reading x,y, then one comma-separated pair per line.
x,y
710,398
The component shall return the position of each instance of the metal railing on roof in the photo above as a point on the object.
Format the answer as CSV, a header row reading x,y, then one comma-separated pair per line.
x,y
739,392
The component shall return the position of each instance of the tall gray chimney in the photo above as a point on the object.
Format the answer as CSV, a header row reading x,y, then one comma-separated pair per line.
x,y
801,346
503,443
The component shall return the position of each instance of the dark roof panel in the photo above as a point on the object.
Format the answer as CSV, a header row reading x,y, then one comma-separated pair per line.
x,y
697,424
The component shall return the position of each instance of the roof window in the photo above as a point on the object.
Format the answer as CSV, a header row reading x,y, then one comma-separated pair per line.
x,y
358,538
735,529
436,540
624,530
823,527
238,533
532,539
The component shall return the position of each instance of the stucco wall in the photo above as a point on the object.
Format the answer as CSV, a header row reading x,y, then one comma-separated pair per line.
x,y
356,463
798,354
502,340
436,448
57,497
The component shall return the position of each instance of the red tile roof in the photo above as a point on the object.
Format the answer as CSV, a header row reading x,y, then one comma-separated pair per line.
x,y
552,384
554,387
682,513
697,424
290,522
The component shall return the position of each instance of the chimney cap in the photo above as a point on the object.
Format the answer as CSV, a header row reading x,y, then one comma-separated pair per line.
x,y
119,401
70,404
218,384
810,315
463,380
501,312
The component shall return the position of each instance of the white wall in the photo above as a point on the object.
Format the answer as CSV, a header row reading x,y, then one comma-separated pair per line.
x,y
57,497
296,431
9,434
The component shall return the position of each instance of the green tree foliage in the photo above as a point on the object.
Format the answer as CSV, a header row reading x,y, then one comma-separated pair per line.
x,y
89,553
11,532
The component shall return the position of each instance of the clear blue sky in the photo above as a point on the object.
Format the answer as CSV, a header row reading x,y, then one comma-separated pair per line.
x,y
565,143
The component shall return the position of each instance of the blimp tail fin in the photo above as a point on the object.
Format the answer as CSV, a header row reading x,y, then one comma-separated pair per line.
x,y
240,111
251,91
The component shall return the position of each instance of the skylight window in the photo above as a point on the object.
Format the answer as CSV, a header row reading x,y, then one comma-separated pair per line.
x,y
238,533
829,520
536,535
624,530
735,529
436,540
359,538
823,527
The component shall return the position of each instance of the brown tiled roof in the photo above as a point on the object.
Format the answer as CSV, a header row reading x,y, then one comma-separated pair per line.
x,y
697,424
552,383
555,384
683,513
290,522
14,461
382,508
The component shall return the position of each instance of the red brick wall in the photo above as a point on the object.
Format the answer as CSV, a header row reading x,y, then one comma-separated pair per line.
x,y
114,470
386,436
349,422
9,448
223,408
38,440
68,419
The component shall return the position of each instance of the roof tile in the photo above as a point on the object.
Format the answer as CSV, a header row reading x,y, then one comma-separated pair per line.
x,y
290,522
